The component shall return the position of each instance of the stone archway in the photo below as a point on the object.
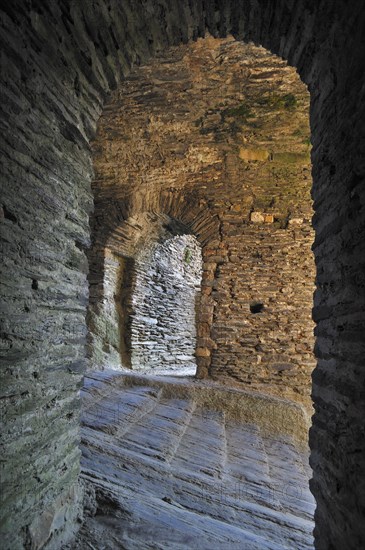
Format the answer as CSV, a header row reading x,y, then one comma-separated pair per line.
x,y
83,53
135,263
216,134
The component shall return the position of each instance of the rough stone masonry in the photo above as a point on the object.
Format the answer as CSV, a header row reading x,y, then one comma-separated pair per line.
x,y
59,62
215,135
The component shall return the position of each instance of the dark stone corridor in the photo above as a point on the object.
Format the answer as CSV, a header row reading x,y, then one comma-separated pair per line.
x,y
222,142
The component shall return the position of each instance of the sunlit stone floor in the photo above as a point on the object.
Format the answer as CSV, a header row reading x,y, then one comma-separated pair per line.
x,y
170,474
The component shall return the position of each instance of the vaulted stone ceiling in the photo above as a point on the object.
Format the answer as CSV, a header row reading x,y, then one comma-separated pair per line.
x,y
206,116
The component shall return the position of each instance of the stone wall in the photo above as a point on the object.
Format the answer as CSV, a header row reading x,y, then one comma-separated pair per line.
x,y
163,304
178,133
112,281
105,346
59,62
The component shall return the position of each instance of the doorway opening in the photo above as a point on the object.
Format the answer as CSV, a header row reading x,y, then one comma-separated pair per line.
x,y
214,134
164,306
151,290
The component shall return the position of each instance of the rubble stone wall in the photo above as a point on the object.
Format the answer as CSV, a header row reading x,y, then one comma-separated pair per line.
x,y
215,135
163,305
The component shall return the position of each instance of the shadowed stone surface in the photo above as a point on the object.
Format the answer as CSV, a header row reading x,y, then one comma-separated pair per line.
x,y
168,472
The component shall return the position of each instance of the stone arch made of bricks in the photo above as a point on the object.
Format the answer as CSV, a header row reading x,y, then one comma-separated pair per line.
x,y
59,62
125,237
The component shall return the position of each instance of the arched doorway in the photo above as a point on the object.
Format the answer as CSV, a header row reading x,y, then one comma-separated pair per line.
x,y
145,314
237,175
227,153
84,53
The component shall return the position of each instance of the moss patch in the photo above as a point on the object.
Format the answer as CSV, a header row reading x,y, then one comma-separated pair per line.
x,y
292,158
242,112
277,101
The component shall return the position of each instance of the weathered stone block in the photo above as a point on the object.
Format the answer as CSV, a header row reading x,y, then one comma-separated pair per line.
x,y
202,352
250,155
257,217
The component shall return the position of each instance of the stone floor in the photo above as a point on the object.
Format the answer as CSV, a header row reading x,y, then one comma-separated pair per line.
x,y
163,472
